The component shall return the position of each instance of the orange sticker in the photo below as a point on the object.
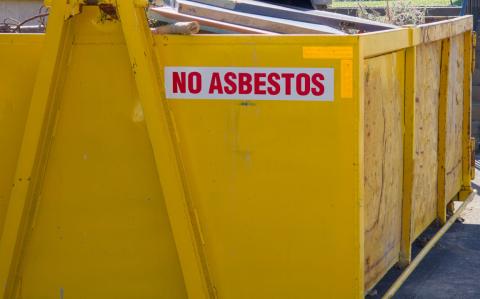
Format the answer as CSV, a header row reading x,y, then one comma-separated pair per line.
x,y
327,52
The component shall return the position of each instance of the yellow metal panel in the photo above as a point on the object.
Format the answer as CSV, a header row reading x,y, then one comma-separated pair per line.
x,y
32,155
165,148
100,228
269,177
346,69
21,55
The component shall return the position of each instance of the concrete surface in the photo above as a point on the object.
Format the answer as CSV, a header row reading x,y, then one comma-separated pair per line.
x,y
19,9
452,268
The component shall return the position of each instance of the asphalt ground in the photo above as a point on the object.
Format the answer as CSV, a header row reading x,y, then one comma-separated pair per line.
x,y
452,268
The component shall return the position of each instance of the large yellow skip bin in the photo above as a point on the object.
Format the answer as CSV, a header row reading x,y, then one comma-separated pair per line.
x,y
131,167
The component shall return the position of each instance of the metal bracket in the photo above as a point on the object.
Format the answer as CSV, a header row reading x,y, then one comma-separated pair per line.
x,y
74,7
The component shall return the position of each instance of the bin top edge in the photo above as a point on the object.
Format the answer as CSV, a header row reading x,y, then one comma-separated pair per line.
x,y
254,38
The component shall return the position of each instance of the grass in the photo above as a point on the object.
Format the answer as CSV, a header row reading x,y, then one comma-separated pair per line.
x,y
376,3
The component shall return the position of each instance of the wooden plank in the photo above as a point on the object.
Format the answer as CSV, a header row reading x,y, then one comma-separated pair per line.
x,y
383,177
441,30
454,117
335,20
168,14
442,120
443,11
250,20
467,115
408,155
378,43
424,191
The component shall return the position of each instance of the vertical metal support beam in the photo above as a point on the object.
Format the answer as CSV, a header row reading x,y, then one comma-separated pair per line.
x,y
408,152
170,169
442,123
359,89
467,105
34,148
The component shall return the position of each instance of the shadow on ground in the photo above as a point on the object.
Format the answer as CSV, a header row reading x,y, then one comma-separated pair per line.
x,y
452,268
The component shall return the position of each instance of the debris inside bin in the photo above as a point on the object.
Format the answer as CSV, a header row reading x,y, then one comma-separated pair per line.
x,y
253,17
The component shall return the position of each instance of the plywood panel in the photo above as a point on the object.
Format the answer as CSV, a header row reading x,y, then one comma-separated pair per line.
x,y
424,190
453,155
384,77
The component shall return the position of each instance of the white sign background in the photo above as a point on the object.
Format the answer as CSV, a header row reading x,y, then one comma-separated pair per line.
x,y
206,73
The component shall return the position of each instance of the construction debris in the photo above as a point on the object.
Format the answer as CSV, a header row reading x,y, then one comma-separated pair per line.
x,y
169,15
335,20
185,28
253,17
279,25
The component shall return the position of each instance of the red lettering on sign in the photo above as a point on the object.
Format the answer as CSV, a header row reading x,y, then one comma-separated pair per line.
x,y
259,83
194,82
274,87
303,84
255,83
230,87
244,83
215,84
179,82
288,82
317,81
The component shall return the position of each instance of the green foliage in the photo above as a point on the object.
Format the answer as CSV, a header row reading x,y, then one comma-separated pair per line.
x,y
398,12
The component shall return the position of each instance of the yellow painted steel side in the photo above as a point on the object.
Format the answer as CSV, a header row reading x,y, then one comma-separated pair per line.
x,y
165,148
32,153
268,177
16,84
100,227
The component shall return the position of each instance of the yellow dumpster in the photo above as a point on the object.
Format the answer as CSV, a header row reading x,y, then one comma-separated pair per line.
x,y
223,166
